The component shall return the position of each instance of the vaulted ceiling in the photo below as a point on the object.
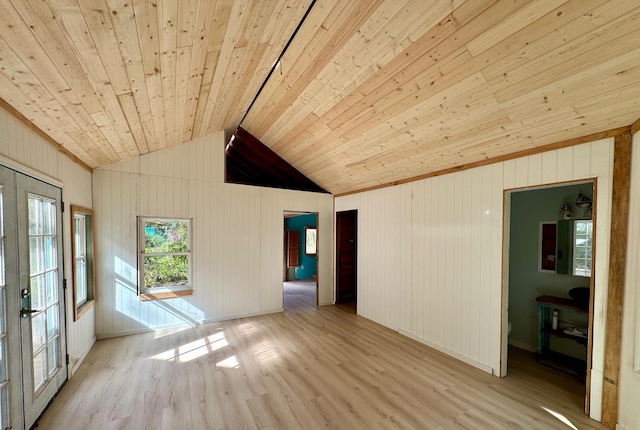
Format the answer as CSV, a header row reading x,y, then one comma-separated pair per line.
x,y
368,92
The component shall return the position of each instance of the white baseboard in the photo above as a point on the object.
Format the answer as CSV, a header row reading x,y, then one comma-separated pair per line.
x,y
78,361
174,326
447,351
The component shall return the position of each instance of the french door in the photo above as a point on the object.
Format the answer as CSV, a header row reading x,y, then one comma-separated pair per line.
x,y
32,326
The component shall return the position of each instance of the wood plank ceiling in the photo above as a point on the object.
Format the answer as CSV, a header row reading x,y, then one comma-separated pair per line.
x,y
369,91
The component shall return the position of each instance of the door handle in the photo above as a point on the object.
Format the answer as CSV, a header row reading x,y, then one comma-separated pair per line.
x,y
24,312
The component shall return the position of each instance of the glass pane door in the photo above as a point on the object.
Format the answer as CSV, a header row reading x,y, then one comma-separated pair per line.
x,y
11,414
4,363
43,279
44,368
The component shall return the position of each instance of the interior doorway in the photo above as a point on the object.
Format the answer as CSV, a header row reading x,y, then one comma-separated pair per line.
x,y
549,264
300,260
32,312
347,257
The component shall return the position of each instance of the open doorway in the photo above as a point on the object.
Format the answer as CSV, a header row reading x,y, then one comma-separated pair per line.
x,y
300,260
347,258
549,251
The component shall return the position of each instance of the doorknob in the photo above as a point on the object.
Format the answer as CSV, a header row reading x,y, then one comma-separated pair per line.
x,y
24,312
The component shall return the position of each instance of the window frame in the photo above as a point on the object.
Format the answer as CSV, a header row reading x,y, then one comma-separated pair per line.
x,y
80,309
164,292
306,228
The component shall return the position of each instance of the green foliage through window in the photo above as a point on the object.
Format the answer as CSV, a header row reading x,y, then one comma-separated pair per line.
x,y
166,253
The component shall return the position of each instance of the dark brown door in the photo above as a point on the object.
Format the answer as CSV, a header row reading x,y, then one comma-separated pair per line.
x,y
346,256
293,249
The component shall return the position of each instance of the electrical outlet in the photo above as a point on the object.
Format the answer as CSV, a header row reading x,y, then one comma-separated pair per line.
x,y
533,321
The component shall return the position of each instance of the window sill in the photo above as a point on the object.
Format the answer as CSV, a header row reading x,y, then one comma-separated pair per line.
x,y
164,295
82,309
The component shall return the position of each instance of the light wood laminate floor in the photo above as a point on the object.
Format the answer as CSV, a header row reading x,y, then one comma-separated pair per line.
x,y
307,368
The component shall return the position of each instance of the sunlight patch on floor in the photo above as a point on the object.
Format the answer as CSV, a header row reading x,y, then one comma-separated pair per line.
x,y
196,349
229,363
264,352
560,417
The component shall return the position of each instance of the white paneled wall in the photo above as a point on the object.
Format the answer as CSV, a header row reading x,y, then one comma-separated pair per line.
x,y
629,393
20,145
237,238
430,252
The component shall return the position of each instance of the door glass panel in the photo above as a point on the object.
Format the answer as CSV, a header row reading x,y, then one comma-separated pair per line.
x,y
39,369
53,356
38,327
35,216
49,253
38,292
49,221
45,325
36,255
52,288
52,318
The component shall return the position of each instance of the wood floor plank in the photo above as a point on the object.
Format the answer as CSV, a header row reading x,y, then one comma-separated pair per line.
x,y
308,367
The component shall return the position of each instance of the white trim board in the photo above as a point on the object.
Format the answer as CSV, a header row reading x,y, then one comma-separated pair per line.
x,y
18,167
447,351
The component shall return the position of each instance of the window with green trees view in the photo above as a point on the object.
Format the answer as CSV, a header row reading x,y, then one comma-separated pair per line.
x,y
165,254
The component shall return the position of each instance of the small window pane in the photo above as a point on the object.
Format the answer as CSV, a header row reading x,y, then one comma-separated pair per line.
x,y
3,361
38,330
166,271
52,287
310,247
39,369
52,321
50,256
583,230
81,281
165,236
35,216
54,354
36,255
2,312
49,217
38,292
2,262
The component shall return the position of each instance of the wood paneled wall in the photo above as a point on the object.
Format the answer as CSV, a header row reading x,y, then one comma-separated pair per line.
x,y
22,146
237,238
629,388
430,254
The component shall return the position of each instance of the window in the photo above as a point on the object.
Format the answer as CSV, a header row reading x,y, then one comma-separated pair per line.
x,y
164,257
83,269
310,247
582,234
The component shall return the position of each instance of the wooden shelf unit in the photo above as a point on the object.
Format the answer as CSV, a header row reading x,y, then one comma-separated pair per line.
x,y
546,305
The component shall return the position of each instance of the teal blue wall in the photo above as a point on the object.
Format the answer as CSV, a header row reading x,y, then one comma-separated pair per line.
x,y
308,266
528,209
